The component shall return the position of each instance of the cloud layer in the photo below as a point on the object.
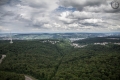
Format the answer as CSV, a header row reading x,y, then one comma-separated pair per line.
x,y
58,16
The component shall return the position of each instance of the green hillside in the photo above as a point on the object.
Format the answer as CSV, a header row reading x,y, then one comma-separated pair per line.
x,y
60,61
11,76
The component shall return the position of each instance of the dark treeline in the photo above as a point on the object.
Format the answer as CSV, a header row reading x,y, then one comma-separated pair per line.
x,y
98,40
11,76
0,56
46,61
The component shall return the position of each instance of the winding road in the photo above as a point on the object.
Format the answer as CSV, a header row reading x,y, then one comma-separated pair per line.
x,y
3,56
27,78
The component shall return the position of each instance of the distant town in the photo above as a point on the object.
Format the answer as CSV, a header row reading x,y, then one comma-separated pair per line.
x,y
71,36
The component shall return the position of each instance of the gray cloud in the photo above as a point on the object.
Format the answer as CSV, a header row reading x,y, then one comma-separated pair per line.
x,y
39,15
79,5
2,2
90,5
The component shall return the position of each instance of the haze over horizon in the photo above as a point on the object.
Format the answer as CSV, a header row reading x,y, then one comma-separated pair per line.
x,y
54,16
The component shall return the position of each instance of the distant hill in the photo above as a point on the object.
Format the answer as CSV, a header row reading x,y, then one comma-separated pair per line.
x,y
30,36
112,39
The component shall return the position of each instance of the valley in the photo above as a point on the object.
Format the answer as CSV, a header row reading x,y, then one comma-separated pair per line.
x,y
56,59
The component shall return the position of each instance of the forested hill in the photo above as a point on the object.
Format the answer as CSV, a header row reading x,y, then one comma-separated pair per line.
x,y
99,40
11,76
61,61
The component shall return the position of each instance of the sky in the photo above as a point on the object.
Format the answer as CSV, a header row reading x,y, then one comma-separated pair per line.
x,y
27,16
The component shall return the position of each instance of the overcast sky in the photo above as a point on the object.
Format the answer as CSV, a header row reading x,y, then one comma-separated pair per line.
x,y
58,16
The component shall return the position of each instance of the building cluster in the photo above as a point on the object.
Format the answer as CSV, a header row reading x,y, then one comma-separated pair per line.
x,y
75,39
75,45
104,43
117,43
52,42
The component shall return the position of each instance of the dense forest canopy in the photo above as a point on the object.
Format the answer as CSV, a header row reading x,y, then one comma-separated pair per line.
x,y
110,39
60,61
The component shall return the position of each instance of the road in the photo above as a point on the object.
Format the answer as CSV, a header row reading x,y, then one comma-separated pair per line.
x,y
3,56
27,78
